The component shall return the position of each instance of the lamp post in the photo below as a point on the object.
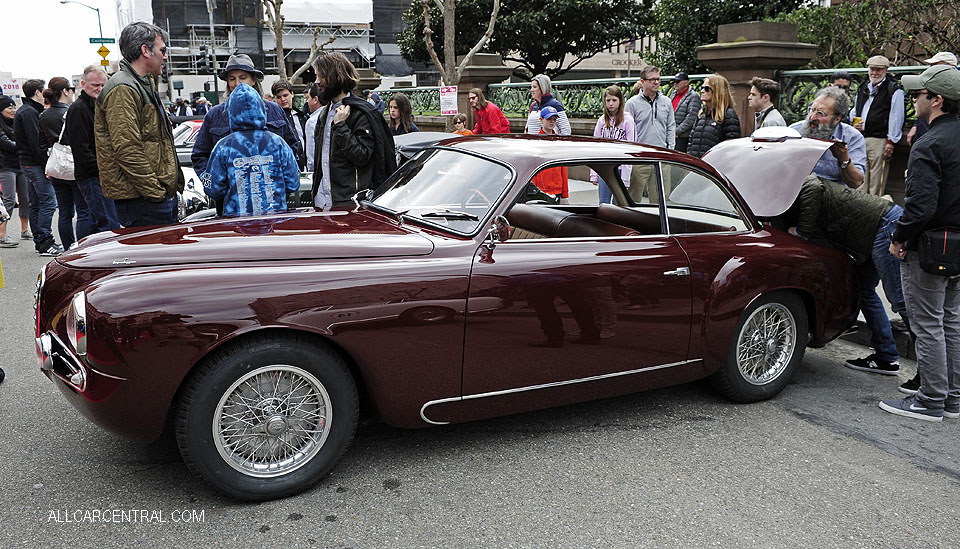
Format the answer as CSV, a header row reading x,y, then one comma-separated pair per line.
x,y
86,6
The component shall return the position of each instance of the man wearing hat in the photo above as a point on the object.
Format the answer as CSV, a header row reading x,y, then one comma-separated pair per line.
x,y
686,105
932,200
918,129
878,114
216,124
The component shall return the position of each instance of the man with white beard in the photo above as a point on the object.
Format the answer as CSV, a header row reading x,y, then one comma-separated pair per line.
x,y
846,161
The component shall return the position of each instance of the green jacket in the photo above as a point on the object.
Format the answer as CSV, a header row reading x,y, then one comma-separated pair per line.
x,y
833,214
135,150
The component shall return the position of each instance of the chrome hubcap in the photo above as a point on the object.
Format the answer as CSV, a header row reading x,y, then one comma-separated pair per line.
x,y
766,344
272,421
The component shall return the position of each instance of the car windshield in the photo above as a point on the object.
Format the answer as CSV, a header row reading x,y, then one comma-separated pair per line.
x,y
453,189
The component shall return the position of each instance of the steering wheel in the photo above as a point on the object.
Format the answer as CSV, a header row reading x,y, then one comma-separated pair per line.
x,y
472,192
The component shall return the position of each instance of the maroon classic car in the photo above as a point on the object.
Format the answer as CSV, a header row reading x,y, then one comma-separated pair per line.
x,y
457,291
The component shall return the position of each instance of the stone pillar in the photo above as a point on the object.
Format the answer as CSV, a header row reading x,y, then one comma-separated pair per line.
x,y
369,80
484,69
757,48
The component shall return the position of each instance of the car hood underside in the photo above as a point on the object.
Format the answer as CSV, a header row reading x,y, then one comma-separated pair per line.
x,y
320,235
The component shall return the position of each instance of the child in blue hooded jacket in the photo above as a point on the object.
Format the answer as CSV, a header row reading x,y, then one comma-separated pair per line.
x,y
251,169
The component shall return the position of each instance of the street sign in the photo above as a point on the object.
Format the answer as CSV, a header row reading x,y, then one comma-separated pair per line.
x,y
104,62
102,41
103,51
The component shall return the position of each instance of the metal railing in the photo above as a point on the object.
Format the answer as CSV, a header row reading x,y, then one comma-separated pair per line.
x,y
425,100
798,88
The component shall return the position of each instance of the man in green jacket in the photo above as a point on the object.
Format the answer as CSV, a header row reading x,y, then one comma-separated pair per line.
x,y
138,164
859,224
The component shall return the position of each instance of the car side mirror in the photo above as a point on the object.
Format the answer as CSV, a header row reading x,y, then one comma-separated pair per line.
x,y
499,232
365,194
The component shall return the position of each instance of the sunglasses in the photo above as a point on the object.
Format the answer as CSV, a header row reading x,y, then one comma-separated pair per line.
x,y
844,88
706,88
915,94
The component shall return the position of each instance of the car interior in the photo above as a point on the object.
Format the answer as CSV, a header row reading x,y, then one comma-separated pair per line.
x,y
695,204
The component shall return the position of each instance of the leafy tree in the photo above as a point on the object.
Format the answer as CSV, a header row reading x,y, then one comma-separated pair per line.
x,y
534,34
911,27
682,25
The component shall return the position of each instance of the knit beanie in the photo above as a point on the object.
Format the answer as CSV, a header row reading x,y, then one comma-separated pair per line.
x,y
6,101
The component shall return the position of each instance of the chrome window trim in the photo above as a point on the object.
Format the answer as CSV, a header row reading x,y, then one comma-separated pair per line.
x,y
552,384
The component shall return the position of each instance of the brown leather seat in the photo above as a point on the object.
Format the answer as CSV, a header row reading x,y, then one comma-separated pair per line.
x,y
644,222
557,223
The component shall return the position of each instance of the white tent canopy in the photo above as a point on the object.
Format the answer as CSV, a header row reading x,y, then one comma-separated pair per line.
x,y
340,12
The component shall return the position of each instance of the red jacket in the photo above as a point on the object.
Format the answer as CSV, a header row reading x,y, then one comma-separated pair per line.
x,y
490,119
553,180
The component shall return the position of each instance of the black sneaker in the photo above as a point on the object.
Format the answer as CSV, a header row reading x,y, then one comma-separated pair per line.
x,y
911,407
52,251
2,375
874,364
910,387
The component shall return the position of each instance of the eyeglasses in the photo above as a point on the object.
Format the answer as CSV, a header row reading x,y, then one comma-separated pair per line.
x,y
71,88
651,79
163,50
844,88
706,88
915,94
818,112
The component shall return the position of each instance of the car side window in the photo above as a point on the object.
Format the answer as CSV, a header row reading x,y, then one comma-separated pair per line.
x,y
697,203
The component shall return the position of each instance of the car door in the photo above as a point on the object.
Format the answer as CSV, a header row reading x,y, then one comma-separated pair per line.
x,y
573,308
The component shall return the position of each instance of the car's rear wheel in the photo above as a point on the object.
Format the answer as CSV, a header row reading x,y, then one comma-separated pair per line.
x,y
766,350
267,417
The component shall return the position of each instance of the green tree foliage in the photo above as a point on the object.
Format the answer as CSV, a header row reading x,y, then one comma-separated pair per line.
x,y
850,33
534,34
682,25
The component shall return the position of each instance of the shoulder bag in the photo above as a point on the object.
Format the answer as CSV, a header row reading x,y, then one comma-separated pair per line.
x,y
940,251
60,162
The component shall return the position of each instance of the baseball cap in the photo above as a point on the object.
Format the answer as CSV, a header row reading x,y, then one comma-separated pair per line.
x,y
878,61
548,112
942,57
939,79
681,76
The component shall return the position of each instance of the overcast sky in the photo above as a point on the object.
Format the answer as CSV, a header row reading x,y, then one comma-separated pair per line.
x,y
43,38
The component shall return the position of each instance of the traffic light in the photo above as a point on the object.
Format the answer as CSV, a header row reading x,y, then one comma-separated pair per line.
x,y
205,63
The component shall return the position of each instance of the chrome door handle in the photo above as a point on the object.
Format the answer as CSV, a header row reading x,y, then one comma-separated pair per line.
x,y
682,271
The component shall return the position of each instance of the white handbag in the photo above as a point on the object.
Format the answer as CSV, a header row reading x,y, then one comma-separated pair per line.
x,y
60,163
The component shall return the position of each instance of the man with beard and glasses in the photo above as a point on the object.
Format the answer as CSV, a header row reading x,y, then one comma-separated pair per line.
x,y
846,161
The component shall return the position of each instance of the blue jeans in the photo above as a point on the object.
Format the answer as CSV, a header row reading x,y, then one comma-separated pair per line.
x,y
140,212
882,266
43,203
103,213
70,201
606,196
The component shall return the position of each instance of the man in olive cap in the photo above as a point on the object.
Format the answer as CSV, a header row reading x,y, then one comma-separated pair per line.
x,y
880,110
932,201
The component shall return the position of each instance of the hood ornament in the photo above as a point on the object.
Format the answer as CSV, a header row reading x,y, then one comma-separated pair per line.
x,y
124,261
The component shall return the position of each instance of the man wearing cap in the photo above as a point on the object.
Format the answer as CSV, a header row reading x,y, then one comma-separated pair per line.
x,y
880,110
918,129
686,105
216,125
932,200
138,164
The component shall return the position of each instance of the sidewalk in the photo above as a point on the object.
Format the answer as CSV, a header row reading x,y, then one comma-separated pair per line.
x,y
862,334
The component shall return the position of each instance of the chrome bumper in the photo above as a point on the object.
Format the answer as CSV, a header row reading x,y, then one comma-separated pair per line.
x,y
56,358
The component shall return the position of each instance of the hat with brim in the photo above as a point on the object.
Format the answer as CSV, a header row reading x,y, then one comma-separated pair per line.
x,y
681,76
878,61
240,61
939,79
942,57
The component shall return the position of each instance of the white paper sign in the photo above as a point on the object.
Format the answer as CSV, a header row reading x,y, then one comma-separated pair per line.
x,y
448,100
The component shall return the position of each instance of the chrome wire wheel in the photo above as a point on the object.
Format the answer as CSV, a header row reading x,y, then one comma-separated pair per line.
x,y
766,343
272,421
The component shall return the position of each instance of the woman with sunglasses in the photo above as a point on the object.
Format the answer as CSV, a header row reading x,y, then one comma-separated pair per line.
x,y
59,95
717,121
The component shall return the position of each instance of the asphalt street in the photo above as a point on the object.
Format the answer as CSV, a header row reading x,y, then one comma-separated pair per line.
x,y
820,465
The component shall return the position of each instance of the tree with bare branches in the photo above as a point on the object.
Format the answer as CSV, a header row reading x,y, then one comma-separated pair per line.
x,y
274,22
450,72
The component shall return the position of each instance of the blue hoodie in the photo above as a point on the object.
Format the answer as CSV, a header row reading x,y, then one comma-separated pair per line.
x,y
251,169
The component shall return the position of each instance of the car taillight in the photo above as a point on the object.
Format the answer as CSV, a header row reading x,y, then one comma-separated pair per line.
x,y
77,323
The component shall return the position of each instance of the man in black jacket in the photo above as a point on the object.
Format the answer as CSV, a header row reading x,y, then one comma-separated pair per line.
x,y
33,163
354,151
79,135
932,201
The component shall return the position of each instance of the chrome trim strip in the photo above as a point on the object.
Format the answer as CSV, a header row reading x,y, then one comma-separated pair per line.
x,y
545,386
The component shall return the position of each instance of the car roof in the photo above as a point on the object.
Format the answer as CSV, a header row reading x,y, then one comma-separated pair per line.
x,y
561,147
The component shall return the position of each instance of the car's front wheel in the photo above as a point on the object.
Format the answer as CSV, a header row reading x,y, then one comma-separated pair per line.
x,y
267,417
766,350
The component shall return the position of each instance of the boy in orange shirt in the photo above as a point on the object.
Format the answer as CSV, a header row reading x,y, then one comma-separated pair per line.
x,y
552,181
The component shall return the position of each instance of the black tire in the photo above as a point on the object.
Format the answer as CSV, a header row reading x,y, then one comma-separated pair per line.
x,y
781,349
238,455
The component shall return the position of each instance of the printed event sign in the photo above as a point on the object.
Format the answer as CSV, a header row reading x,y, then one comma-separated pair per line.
x,y
448,100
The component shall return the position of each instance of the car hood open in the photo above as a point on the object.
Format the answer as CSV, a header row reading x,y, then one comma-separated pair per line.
x,y
768,174
319,235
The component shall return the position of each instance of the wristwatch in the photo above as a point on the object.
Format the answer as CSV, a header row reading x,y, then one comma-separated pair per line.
x,y
844,164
